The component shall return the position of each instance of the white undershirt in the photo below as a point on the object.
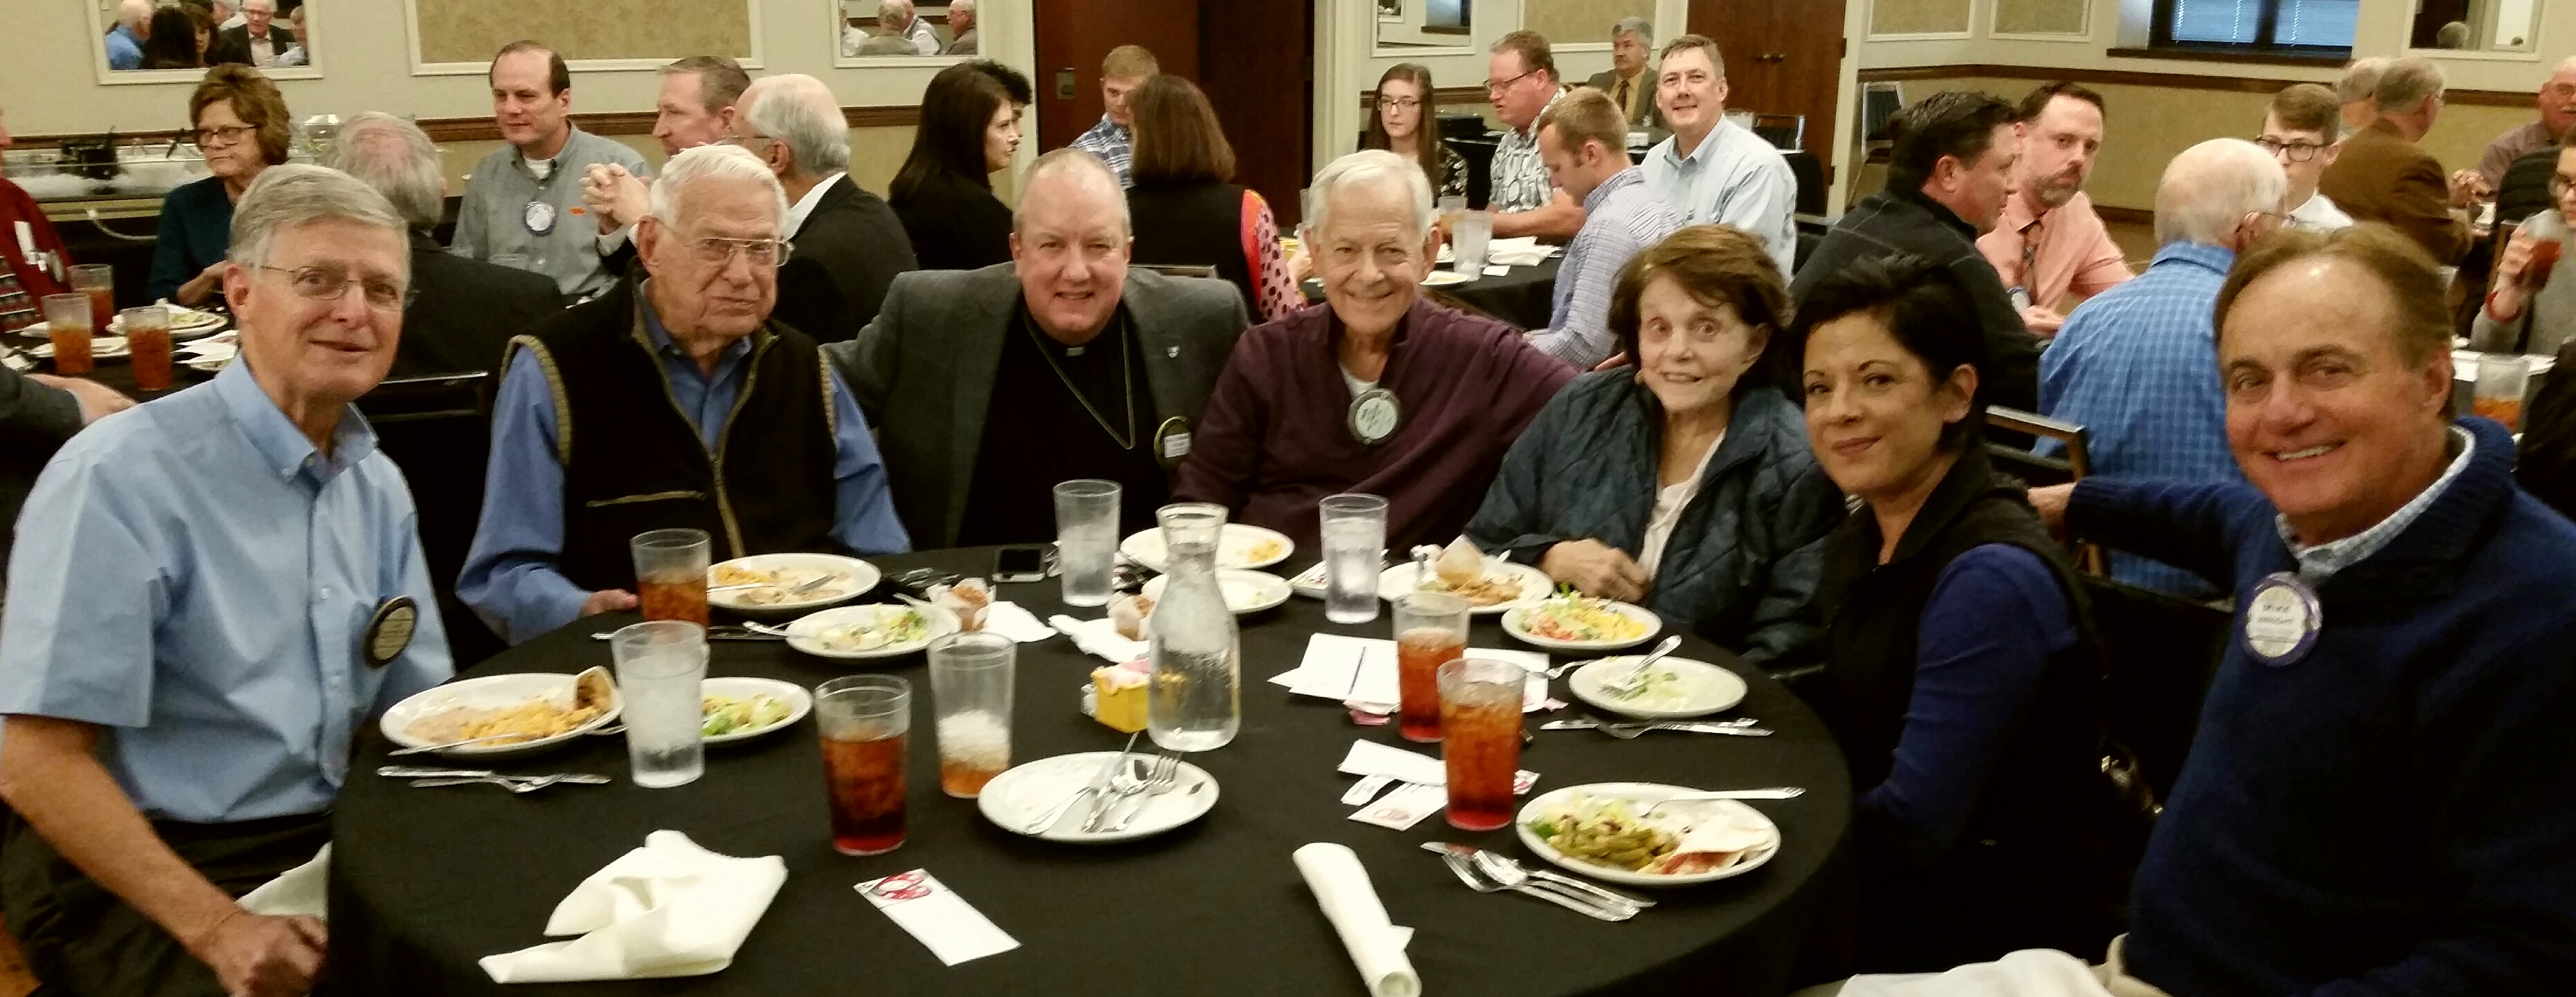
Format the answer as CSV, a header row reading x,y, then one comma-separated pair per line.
x,y
1670,500
1358,387
804,206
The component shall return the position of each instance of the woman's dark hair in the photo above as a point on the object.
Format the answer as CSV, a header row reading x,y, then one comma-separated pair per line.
x,y
254,100
1925,309
1426,132
1178,137
955,110
1715,265
173,44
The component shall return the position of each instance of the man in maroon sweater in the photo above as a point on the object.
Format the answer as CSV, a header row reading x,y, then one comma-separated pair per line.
x,y
1382,392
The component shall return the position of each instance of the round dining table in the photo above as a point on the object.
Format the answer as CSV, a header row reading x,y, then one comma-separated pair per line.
x,y
425,881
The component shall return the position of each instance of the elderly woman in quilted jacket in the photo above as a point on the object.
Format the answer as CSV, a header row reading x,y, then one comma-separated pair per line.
x,y
1684,483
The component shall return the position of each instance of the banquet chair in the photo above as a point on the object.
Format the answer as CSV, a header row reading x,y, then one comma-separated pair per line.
x,y
2041,471
1178,270
1783,131
438,431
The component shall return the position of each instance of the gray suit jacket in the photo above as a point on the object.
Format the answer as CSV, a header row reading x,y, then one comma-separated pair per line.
x,y
923,372
1648,116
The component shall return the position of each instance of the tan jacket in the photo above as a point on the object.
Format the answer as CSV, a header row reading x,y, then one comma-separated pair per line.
x,y
2382,177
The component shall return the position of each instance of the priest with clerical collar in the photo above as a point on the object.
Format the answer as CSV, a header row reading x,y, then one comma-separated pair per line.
x,y
991,386
1383,392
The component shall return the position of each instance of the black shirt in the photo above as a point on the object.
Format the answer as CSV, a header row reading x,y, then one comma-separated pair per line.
x,y
955,223
1037,433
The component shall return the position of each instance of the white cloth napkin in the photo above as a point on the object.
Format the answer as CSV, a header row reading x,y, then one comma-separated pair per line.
x,y
1341,886
1009,620
2027,973
670,908
1523,251
1099,638
304,890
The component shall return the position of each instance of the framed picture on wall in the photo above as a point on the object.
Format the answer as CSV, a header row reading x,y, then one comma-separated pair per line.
x,y
141,41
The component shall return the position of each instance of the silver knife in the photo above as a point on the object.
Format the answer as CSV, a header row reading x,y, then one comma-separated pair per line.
x,y
1739,728
409,772
1098,780
1605,894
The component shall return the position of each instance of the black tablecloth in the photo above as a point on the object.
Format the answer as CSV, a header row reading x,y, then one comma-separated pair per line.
x,y
424,882
1524,297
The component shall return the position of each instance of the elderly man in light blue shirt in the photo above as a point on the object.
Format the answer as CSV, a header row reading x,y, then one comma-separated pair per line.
x,y
212,594
1711,172
1583,141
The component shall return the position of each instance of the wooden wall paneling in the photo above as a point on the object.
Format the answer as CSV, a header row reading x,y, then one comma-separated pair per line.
x,y
1074,35
1256,62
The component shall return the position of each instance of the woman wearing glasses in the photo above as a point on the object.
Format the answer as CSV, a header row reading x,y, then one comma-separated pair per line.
x,y
241,126
1403,125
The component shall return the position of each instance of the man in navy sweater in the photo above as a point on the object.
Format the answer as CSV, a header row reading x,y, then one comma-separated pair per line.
x,y
2386,809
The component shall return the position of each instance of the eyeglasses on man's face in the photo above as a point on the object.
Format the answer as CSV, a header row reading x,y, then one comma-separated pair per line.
x,y
758,252
327,283
2299,152
1498,86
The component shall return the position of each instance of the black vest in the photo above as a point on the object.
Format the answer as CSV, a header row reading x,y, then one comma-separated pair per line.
x,y
1194,225
633,462
2028,871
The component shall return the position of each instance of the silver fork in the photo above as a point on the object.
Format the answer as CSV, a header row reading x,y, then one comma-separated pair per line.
x,y
1124,783
1476,880
527,785
1510,873
1166,772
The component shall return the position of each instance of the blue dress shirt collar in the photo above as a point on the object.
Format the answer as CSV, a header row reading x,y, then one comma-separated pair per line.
x,y
2207,257
279,442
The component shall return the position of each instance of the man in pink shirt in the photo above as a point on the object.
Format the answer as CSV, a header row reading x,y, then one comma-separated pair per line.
x,y
2049,247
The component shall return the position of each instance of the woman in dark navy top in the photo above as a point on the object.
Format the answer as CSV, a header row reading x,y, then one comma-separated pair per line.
x,y
242,127
970,127
1961,678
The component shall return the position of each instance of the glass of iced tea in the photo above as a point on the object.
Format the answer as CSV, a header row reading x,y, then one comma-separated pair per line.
x,y
864,721
2502,380
147,340
67,324
1480,718
970,690
1430,630
98,281
671,574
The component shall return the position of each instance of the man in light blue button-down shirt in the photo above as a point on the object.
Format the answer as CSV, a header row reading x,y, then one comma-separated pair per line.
x,y
185,658
1712,172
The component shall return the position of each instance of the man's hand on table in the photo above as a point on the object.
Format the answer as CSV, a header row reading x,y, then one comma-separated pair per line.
x,y
2043,322
254,955
97,401
607,601
1595,568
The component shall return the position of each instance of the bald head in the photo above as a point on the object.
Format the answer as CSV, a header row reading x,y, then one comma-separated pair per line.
x,y
136,15
1071,174
2209,190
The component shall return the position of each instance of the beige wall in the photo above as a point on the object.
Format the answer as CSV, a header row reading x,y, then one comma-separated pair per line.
x,y
471,30
51,72
1578,20
1908,17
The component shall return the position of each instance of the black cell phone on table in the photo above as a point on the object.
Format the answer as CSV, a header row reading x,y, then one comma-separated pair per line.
x,y
1020,563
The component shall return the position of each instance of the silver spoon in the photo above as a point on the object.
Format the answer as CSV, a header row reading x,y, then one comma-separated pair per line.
x,y
1628,684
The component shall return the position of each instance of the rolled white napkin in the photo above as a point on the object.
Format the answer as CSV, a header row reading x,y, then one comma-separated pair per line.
x,y
304,890
1342,887
2027,973
1099,638
670,908
1009,620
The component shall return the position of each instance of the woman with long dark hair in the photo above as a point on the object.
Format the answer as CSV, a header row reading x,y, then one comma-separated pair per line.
x,y
173,44
970,127
1185,212
1403,122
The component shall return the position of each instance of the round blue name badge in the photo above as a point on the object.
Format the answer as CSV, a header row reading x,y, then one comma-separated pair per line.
x,y
2281,620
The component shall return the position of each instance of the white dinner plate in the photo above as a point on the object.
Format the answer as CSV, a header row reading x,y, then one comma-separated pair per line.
x,y
1515,623
100,348
799,702
806,633
1644,794
1240,546
1246,591
855,577
1535,584
490,692
1309,583
1444,278
185,323
1696,689
1028,791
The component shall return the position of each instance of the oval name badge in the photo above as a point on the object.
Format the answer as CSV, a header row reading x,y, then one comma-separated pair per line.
x,y
539,217
390,630
1374,415
2282,620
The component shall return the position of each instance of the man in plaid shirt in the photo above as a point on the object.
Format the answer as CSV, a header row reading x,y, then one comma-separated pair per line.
x,y
1114,138
2137,366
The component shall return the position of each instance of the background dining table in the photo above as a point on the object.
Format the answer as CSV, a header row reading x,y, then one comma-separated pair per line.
x,y
426,881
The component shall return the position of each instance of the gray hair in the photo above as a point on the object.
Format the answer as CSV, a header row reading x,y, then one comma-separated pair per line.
x,y
1364,168
1070,159
2406,83
134,13
2212,186
397,159
289,195
899,11
800,112
956,7
2360,79
712,162
270,4
1638,26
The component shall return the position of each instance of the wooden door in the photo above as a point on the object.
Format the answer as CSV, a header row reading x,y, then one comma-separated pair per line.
x,y
1256,63
1074,35
1782,57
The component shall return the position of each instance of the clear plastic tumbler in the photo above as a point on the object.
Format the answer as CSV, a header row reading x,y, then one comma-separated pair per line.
x,y
1354,528
970,688
1086,539
660,665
